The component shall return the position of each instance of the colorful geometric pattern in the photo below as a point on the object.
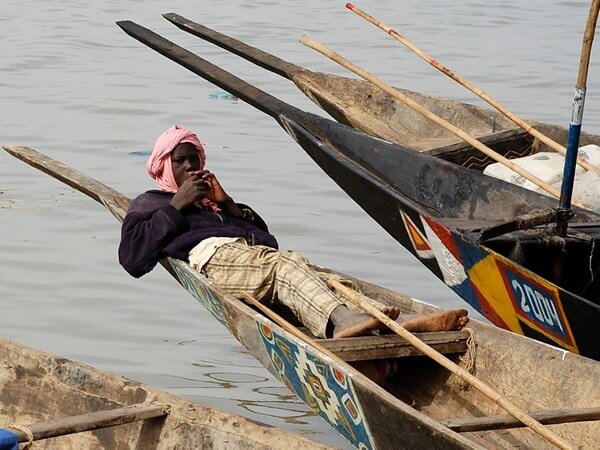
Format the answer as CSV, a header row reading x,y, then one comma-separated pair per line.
x,y
418,241
325,388
190,279
507,294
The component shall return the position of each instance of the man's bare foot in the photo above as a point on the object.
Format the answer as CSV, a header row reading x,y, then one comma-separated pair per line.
x,y
349,323
448,320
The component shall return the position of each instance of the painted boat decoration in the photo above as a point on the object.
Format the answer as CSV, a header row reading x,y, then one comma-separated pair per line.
x,y
408,401
483,237
69,405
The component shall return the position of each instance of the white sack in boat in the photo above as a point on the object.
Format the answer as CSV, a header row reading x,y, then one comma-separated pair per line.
x,y
590,153
586,189
548,166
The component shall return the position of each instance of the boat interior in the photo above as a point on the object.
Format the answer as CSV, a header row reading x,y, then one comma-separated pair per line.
x,y
504,360
491,211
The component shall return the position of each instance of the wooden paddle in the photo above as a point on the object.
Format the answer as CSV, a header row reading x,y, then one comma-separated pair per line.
x,y
512,409
481,94
434,118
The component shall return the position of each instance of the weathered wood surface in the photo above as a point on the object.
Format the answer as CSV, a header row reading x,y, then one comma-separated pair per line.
x,y
534,375
505,421
367,348
36,387
454,368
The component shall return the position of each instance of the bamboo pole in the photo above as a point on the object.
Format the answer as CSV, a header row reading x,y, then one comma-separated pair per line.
x,y
512,409
471,87
433,117
566,193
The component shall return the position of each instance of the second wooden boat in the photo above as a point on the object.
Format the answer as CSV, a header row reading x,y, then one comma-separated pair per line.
x,y
478,234
364,106
408,402
67,405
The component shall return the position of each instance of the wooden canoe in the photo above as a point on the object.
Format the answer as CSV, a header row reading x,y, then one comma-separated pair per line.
x,y
413,402
364,106
476,233
69,405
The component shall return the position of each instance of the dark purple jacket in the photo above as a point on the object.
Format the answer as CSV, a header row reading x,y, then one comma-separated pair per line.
x,y
153,230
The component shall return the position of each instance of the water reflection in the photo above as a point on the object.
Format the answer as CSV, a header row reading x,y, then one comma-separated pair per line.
x,y
260,397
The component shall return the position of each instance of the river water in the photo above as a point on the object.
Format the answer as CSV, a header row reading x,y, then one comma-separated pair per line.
x,y
74,86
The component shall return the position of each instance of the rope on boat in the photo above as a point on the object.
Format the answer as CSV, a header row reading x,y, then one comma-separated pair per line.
x,y
27,431
469,359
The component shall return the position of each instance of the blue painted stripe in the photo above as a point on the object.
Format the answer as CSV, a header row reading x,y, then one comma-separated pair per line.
x,y
566,191
8,440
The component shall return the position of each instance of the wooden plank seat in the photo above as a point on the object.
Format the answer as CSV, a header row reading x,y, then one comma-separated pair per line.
x,y
365,348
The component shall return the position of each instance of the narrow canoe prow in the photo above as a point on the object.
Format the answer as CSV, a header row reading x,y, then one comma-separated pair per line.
x,y
360,104
110,198
364,106
254,55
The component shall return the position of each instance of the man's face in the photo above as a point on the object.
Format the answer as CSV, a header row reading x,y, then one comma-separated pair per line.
x,y
185,162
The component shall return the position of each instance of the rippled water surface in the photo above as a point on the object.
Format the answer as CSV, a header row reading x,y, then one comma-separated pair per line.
x,y
75,87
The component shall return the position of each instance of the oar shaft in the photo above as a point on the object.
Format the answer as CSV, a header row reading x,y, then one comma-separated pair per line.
x,y
514,410
471,87
431,116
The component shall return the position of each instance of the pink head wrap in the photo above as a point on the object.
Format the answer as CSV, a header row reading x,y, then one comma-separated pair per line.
x,y
159,164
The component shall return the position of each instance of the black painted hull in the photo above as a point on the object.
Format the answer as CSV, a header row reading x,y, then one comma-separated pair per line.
x,y
440,212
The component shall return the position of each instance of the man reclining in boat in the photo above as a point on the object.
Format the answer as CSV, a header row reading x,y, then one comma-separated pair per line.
x,y
192,218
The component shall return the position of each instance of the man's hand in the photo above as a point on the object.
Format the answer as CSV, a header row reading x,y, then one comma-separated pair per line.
x,y
194,188
216,193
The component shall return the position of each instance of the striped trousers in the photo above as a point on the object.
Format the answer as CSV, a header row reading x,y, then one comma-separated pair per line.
x,y
268,274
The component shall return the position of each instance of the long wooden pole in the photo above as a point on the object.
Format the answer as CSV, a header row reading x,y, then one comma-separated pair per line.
x,y
92,421
564,208
471,87
433,117
512,409
555,416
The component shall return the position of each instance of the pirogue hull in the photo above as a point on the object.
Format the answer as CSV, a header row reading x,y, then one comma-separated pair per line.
x,y
416,403
474,232
364,106
54,393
